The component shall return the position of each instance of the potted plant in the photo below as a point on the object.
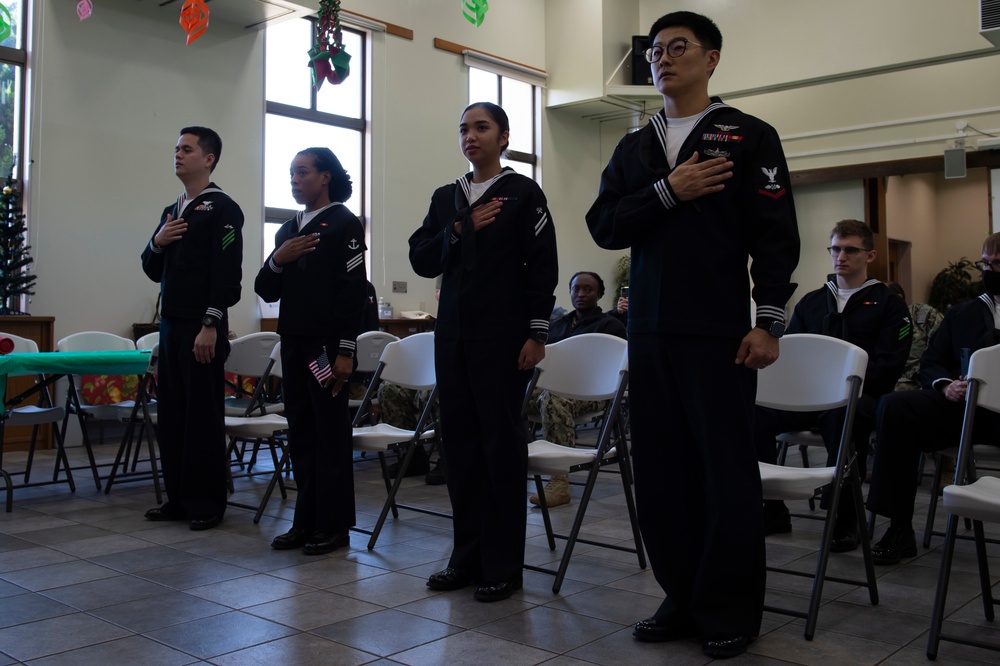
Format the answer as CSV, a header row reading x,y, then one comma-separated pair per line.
x,y
954,284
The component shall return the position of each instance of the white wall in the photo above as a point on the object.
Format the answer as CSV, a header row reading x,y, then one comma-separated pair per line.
x,y
111,94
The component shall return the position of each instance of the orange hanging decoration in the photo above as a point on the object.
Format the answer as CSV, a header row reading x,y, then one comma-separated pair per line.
x,y
194,19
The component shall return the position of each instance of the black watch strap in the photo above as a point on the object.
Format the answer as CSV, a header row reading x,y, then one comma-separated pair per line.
x,y
209,321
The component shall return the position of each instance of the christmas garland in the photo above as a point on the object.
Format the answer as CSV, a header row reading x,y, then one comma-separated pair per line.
x,y
328,59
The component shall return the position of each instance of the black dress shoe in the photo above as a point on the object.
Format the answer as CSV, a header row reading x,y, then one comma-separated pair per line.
x,y
420,464
162,513
290,540
844,539
673,628
724,647
496,591
447,580
321,543
894,546
199,524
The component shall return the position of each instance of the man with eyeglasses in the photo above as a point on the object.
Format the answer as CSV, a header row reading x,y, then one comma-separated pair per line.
x,y
695,194
911,422
865,312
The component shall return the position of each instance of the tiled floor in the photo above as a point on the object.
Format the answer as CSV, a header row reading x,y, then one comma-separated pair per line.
x,y
84,579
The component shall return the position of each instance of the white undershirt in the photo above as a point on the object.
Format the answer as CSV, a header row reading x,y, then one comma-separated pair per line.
x,y
305,217
996,317
844,295
677,133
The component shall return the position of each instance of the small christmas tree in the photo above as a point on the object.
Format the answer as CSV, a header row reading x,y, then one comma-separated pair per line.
x,y
15,280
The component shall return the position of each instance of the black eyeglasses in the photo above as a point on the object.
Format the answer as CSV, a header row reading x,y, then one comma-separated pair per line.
x,y
985,265
835,250
675,49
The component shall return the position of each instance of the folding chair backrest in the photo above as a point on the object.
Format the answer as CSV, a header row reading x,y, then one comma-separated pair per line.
x,y
984,370
370,347
249,355
276,362
148,341
94,341
21,345
812,373
409,362
584,367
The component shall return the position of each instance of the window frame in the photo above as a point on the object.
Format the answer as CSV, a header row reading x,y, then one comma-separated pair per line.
x,y
18,59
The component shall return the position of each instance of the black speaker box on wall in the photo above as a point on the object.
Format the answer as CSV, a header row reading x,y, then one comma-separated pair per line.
x,y
954,163
641,75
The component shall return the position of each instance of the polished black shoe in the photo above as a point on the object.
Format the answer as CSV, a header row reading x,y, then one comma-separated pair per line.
x,y
199,524
321,543
494,591
290,540
894,546
447,580
724,647
420,464
652,630
163,513
844,539
436,477
776,518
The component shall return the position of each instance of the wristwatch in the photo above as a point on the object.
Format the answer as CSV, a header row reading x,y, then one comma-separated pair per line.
x,y
775,328
209,321
540,337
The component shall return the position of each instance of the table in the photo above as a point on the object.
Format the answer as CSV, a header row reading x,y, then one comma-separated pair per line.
x,y
54,365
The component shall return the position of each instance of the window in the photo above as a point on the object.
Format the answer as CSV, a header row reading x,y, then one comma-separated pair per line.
x,y
521,101
299,116
13,58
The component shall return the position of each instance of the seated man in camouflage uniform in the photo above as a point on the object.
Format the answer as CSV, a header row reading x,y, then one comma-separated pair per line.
x,y
557,414
926,320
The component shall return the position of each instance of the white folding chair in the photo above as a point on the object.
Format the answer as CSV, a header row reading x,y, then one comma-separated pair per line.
x,y
148,341
368,352
970,497
34,416
140,413
90,341
816,373
408,362
984,457
594,367
250,357
269,429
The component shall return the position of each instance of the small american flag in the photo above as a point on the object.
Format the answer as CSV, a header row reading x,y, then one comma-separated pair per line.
x,y
321,368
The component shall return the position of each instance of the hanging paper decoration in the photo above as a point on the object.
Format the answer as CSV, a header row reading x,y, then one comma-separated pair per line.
x,y
474,11
328,59
194,19
84,9
5,23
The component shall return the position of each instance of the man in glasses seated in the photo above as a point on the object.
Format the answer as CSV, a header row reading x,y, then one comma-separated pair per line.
x,y
930,419
866,313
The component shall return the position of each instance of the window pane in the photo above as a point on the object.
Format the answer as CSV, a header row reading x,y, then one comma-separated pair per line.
x,y
284,137
517,97
483,86
344,99
16,16
288,78
10,116
522,168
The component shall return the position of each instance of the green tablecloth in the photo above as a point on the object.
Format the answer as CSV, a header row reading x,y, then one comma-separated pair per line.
x,y
73,363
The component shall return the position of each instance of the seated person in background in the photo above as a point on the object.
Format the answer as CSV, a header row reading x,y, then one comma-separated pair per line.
x,y
558,414
910,422
926,320
866,313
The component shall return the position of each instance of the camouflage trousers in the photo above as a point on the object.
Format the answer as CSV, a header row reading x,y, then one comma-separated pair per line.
x,y
401,407
558,415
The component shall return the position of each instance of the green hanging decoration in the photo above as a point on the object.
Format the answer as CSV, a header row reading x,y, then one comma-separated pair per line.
x,y
474,11
328,59
15,279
